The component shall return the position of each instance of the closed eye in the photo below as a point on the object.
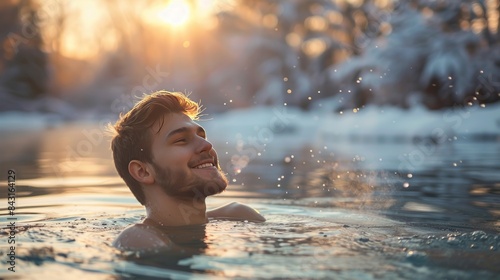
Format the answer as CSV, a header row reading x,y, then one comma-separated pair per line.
x,y
202,133
185,134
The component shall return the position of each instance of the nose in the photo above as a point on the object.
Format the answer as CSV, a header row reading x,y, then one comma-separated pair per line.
x,y
204,145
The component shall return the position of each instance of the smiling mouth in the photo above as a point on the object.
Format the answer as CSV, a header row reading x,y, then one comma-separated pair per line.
x,y
204,165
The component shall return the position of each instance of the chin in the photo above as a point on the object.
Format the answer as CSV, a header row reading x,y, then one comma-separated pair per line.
x,y
204,188
214,188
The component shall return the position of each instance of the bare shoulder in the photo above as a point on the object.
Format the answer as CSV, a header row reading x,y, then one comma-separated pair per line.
x,y
140,237
236,211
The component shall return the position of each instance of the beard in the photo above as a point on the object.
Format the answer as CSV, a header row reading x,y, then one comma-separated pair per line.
x,y
182,186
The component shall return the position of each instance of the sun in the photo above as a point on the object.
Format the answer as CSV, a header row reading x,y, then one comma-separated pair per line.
x,y
176,13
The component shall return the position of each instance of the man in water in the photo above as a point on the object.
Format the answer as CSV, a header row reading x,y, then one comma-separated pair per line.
x,y
165,159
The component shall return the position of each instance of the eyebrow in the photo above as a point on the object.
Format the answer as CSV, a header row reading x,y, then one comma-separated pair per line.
x,y
184,129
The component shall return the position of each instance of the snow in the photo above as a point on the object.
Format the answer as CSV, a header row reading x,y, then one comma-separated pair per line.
x,y
371,122
16,120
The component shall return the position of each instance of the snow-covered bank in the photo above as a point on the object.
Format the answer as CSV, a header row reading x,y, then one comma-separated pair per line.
x,y
28,121
382,138
372,122
15,120
368,123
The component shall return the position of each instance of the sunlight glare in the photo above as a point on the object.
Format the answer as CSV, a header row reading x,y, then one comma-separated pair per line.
x,y
176,13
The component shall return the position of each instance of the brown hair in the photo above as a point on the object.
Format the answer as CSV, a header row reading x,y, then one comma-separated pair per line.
x,y
132,132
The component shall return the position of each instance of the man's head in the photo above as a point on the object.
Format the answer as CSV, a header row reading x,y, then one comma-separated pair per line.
x,y
158,144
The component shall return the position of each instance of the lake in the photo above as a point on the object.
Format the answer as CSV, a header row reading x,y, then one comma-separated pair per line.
x,y
336,208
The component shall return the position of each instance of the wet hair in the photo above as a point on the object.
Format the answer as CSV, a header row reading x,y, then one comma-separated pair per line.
x,y
132,139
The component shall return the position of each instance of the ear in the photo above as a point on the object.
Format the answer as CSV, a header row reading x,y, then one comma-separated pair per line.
x,y
141,171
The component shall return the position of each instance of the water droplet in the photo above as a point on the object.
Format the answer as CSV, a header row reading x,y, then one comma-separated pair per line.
x,y
417,258
409,175
478,234
452,241
406,185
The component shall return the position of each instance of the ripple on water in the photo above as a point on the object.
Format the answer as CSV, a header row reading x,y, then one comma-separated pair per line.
x,y
295,242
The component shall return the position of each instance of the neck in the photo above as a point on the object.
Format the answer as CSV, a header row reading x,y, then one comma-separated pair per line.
x,y
165,210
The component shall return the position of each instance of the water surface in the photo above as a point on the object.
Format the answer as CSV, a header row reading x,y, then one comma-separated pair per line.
x,y
335,208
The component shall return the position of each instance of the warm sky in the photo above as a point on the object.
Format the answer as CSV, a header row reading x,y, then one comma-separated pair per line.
x,y
85,18
87,28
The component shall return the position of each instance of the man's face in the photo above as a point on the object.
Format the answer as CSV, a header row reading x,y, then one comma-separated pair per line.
x,y
185,163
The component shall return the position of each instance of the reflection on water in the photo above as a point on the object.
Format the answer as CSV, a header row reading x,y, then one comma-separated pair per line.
x,y
366,205
63,151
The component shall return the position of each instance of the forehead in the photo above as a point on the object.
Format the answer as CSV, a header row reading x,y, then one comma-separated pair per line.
x,y
170,122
